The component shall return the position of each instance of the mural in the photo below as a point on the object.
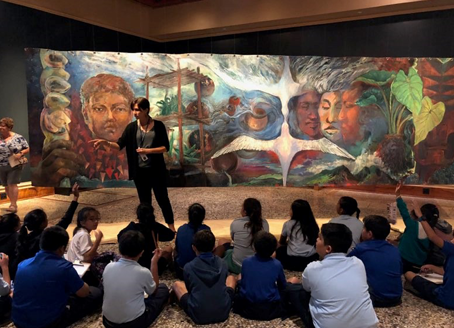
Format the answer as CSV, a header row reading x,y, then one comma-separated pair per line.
x,y
245,120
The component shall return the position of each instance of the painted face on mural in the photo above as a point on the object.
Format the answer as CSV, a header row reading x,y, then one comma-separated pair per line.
x,y
107,114
330,106
307,114
349,116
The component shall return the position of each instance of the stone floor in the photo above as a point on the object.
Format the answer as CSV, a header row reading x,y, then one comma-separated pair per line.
x,y
117,207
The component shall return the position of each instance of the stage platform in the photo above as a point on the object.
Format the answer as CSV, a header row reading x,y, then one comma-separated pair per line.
x,y
117,205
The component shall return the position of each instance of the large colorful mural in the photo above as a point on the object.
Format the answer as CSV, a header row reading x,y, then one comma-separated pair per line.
x,y
245,120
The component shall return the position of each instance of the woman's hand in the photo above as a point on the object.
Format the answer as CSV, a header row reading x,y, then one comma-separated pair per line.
x,y
75,191
427,268
99,142
18,155
145,151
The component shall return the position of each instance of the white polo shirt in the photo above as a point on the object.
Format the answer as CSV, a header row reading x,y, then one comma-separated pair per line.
x,y
125,282
339,293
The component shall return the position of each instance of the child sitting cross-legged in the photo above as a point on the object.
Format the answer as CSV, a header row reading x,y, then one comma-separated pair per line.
x,y
262,281
126,281
184,250
382,262
441,295
207,291
336,285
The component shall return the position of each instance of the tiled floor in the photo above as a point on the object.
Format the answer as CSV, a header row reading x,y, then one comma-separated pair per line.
x,y
117,207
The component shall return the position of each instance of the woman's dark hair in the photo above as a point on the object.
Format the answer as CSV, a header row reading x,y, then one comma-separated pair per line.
x,y
145,215
305,221
9,223
253,210
431,213
141,102
196,215
82,216
349,206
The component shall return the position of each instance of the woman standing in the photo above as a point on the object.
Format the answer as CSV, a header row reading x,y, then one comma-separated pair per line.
x,y
146,141
13,148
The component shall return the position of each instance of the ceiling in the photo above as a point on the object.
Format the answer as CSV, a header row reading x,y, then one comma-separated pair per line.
x,y
189,19
163,3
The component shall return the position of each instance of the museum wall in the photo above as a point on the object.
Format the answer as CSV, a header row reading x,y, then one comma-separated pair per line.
x,y
418,35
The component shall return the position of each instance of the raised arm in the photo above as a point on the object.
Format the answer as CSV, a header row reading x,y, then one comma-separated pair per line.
x,y
68,217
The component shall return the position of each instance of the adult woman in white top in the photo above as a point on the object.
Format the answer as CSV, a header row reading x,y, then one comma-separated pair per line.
x,y
15,145
298,238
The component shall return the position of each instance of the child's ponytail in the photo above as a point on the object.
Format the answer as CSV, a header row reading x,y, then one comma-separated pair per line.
x,y
253,210
349,206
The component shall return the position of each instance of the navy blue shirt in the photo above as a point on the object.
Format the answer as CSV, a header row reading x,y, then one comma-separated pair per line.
x,y
383,265
183,243
209,301
261,279
446,291
41,290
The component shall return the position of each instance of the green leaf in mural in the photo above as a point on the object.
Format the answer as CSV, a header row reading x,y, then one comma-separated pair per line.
x,y
375,77
430,116
408,90
370,97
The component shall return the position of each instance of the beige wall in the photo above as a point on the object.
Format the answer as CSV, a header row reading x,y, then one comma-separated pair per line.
x,y
222,17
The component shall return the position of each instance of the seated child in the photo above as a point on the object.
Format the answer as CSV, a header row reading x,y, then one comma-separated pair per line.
x,y
346,207
44,284
5,287
151,230
34,224
242,232
338,284
184,252
414,244
382,262
207,291
81,247
262,280
441,295
126,281
298,238
9,225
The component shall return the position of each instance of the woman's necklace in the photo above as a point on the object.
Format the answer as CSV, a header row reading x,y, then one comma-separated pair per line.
x,y
146,126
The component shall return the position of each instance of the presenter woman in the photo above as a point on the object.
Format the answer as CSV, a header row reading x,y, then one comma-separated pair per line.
x,y
13,147
145,141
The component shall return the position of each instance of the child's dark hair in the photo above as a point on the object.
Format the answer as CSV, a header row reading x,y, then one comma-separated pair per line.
x,y
305,221
33,221
253,210
131,243
378,225
431,213
338,236
82,216
349,206
265,244
145,215
9,223
204,241
196,215
53,238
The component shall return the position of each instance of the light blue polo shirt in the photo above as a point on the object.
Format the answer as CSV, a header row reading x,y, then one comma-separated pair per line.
x,y
125,282
339,293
